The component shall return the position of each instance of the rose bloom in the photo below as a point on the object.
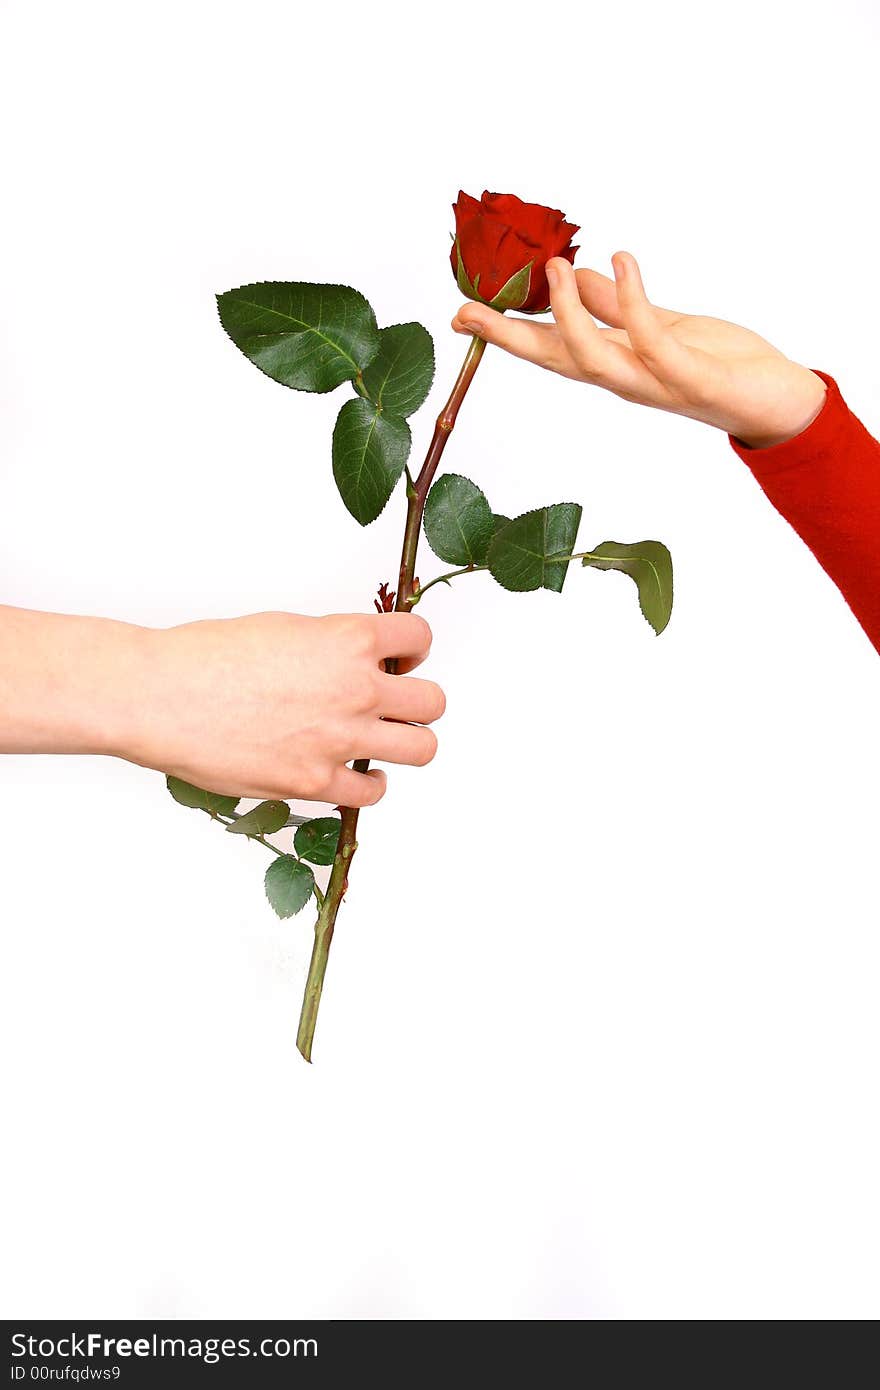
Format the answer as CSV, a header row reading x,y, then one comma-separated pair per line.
x,y
498,236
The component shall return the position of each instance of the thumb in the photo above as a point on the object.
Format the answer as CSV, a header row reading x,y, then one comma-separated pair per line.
x,y
522,337
479,318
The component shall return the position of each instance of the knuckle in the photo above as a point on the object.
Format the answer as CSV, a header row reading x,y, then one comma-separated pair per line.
x,y
311,780
365,641
365,691
354,631
361,637
355,693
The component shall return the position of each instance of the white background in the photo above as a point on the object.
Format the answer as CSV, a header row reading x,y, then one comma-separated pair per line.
x,y
600,1036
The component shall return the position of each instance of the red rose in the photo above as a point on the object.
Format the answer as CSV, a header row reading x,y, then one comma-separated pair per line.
x,y
502,246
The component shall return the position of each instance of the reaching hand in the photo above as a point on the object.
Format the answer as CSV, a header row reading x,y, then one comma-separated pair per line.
x,y
706,368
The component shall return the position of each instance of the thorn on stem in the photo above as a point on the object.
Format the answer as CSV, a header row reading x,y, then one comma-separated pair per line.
x,y
385,602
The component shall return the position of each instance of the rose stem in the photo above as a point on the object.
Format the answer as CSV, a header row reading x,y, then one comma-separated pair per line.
x,y
326,923
416,496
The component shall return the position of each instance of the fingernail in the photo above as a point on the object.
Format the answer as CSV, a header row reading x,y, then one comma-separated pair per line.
x,y
619,264
552,275
474,325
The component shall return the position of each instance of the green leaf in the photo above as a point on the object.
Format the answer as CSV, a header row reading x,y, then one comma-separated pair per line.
x,y
289,885
317,839
399,377
310,337
515,292
530,551
458,521
369,453
649,563
186,795
264,819
499,521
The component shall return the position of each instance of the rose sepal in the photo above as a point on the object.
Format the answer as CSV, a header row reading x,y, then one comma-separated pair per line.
x,y
514,293
468,289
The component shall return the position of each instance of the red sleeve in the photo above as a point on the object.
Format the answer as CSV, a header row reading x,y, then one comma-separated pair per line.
x,y
826,483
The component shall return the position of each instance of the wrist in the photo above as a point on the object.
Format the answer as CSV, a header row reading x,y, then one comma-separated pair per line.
x,y
124,661
799,406
102,681
157,714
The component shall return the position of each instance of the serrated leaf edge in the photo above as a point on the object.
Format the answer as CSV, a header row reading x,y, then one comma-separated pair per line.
x,y
410,323
385,415
589,562
306,328
546,559
285,916
464,479
303,854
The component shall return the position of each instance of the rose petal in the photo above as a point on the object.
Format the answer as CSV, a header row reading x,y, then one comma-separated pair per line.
x,y
500,234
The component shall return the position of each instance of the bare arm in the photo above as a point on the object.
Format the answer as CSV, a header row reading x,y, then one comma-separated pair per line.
x,y
274,704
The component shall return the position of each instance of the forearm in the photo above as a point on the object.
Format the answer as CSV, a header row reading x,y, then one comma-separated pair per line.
x,y
270,705
826,483
68,684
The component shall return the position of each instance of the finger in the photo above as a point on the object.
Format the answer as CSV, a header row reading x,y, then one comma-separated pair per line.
x,y
402,635
416,701
390,742
530,341
349,788
599,295
596,353
579,330
645,324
